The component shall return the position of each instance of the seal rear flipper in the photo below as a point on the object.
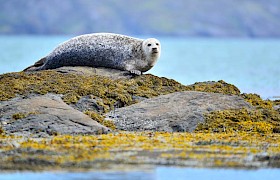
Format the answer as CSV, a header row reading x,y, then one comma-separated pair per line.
x,y
37,66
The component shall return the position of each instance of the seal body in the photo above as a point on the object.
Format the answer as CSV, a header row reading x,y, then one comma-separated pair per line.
x,y
103,50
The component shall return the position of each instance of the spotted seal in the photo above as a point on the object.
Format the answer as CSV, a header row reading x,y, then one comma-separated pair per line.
x,y
107,50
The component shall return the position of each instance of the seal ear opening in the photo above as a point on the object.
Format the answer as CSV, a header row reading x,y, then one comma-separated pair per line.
x,y
37,64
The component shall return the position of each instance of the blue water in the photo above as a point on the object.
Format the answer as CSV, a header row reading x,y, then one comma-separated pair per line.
x,y
160,173
252,65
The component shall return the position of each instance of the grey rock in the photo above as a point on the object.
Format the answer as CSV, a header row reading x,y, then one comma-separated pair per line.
x,y
45,115
92,103
277,107
176,112
90,71
88,103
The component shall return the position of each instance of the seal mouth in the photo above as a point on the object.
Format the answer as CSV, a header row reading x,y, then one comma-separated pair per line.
x,y
155,51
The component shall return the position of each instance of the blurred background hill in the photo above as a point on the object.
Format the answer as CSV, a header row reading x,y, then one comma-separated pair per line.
x,y
206,18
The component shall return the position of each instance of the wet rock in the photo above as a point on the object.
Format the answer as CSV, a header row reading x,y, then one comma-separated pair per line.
x,y
175,112
41,116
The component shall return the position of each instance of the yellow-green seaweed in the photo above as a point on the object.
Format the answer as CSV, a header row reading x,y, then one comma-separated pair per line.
x,y
241,120
19,116
216,87
73,86
99,118
201,149
257,101
262,119
22,115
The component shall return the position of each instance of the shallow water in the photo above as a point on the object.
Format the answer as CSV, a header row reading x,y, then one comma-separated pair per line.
x,y
252,65
160,173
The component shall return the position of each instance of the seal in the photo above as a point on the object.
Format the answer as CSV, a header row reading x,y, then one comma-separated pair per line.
x,y
107,50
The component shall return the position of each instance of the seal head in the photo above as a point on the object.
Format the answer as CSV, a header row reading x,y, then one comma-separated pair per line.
x,y
152,50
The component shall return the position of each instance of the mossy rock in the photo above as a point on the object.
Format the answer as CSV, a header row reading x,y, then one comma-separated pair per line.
x,y
123,92
216,87
226,121
74,86
263,119
259,120
257,101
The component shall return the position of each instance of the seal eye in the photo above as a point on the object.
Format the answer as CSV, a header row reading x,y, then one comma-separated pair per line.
x,y
157,44
149,44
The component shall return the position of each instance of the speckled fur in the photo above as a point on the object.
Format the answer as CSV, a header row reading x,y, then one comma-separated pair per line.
x,y
103,50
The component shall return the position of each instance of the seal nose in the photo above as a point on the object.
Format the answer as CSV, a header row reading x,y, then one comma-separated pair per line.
x,y
154,50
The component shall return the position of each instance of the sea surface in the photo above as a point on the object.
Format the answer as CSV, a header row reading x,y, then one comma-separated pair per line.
x,y
159,173
253,65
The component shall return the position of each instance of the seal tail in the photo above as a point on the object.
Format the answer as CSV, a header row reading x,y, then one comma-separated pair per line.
x,y
37,66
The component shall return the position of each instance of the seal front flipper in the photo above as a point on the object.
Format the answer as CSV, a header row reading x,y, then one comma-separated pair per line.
x,y
37,66
130,66
136,72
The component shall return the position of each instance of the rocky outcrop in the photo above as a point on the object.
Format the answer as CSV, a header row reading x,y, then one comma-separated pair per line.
x,y
67,100
41,116
74,100
176,112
